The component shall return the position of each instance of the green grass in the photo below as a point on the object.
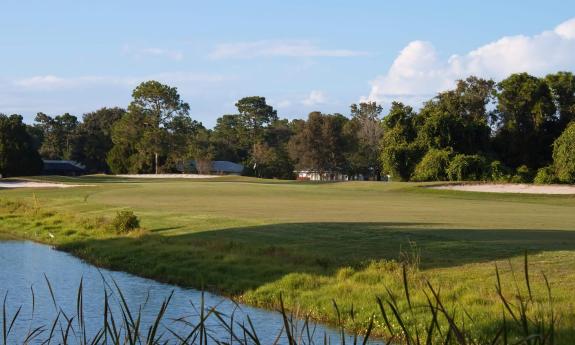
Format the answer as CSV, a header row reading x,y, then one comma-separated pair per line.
x,y
313,242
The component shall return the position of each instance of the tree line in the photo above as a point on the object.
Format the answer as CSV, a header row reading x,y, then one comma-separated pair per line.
x,y
520,129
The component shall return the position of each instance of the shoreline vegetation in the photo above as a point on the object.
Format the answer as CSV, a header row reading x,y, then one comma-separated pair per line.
x,y
533,321
217,243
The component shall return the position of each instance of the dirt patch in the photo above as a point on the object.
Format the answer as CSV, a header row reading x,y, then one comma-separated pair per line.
x,y
511,188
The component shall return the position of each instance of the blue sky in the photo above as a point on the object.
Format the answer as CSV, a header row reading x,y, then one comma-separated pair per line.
x,y
76,56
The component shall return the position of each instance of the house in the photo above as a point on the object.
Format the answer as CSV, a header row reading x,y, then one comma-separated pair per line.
x,y
62,167
314,175
215,167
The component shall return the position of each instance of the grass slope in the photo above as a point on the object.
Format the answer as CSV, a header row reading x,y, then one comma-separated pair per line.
x,y
255,239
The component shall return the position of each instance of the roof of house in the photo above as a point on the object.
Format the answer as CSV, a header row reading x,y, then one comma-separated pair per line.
x,y
225,166
62,165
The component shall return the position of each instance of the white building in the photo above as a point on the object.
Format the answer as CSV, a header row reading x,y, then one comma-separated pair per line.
x,y
313,175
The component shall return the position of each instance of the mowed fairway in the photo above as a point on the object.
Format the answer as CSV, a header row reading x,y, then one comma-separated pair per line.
x,y
255,239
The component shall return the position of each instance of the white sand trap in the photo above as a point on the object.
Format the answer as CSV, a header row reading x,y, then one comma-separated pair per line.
x,y
29,184
511,188
168,176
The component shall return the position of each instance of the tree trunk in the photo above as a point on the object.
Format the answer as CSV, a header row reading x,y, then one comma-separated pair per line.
x,y
156,160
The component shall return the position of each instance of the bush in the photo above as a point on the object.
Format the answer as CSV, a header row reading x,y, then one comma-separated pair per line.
x,y
499,172
546,175
467,168
433,166
564,155
125,221
523,175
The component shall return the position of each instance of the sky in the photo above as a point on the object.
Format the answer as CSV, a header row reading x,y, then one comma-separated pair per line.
x,y
78,56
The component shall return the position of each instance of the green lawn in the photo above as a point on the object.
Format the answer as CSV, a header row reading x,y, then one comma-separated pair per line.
x,y
312,242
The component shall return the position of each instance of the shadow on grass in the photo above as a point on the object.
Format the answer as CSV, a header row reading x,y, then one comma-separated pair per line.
x,y
167,228
232,261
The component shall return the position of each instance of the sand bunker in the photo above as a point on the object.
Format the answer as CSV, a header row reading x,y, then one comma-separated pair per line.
x,y
511,188
168,176
29,184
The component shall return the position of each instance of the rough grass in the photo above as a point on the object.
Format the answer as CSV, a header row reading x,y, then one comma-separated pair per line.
x,y
254,239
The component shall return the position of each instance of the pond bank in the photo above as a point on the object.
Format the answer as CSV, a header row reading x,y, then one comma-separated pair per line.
x,y
27,265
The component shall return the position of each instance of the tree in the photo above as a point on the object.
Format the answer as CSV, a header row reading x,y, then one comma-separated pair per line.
x,y
368,115
562,85
255,114
129,153
564,155
525,119
442,129
155,116
59,136
95,137
320,144
365,128
182,139
271,156
159,102
201,150
230,139
400,152
18,156
459,118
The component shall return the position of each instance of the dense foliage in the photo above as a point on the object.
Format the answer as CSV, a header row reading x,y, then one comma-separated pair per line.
x,y
511,131
433,166
18,156
564,155
481,130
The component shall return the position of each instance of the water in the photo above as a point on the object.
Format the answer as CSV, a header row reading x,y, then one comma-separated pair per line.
x,y
23,266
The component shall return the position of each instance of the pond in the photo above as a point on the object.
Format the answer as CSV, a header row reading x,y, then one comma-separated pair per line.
x,y
26,268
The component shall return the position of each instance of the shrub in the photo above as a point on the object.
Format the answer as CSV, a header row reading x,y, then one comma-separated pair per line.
x,y
433,166
499,172
523,175
564,155
546,175
125,221
467,168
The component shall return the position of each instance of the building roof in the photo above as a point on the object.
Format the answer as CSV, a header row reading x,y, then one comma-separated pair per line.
x,y
62,165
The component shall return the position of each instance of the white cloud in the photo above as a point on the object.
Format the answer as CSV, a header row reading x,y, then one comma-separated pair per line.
x,y
315,97
56,94
418,72
277,48
282,104
139,53
53,83
566,29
